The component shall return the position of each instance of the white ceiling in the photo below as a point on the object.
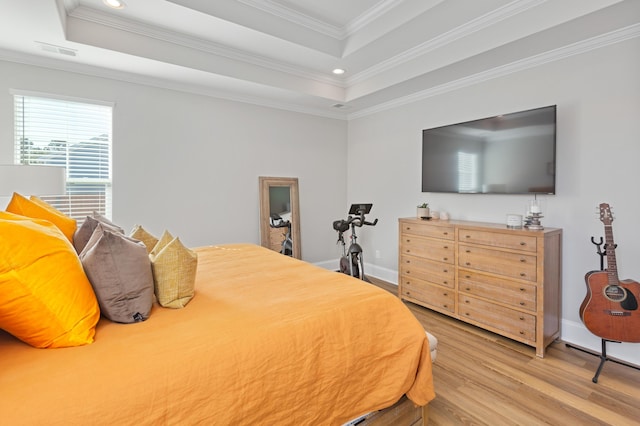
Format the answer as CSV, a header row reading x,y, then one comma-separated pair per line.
x,y
280,53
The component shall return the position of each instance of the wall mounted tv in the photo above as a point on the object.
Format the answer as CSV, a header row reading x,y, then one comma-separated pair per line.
x,y
507,154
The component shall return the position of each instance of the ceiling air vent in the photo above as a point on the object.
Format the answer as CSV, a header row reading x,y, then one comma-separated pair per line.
x,y
57,49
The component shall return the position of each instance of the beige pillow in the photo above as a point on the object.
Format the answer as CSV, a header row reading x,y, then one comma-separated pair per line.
x,y
141,234
174,273
119,270
165,239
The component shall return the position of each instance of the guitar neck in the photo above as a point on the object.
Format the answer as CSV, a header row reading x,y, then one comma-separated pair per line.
x,y
612,268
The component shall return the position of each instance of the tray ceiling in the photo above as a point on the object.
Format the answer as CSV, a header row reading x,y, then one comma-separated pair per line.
x,y
281,53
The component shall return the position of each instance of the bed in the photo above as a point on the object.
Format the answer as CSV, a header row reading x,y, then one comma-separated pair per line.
x,y
267,339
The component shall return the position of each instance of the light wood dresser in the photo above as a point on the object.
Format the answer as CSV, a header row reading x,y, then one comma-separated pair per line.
x,y
504,280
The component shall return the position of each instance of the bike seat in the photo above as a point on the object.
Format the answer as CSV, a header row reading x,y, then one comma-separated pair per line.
x,y
340,225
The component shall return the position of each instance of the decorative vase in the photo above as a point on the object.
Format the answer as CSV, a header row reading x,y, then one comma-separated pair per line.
x,y
423,212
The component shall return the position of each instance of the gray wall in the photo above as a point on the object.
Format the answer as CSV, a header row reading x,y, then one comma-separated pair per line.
x,y
598,98
190,164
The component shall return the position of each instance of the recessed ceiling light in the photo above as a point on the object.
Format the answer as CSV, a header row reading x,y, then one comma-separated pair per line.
x,y
115,4
338,71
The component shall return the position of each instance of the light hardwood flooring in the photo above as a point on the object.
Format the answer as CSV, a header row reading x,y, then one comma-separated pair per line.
x,y
482,378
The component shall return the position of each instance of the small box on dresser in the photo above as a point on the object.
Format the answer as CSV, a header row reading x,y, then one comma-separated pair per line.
x,y
504,280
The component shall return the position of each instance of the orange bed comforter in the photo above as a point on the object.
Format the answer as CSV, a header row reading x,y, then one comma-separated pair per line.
x,y
266,340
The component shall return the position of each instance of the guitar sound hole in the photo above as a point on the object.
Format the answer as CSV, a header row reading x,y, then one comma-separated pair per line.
x,y
615,293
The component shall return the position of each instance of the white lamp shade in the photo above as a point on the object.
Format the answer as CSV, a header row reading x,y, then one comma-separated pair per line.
x,y
32,179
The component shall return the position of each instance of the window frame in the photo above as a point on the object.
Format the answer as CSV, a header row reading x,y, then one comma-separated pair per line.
x,y
72,203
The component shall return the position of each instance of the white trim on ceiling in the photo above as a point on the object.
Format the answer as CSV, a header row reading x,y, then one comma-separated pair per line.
x,y
135,27
457,33
577,48
319,26
127,77
584,46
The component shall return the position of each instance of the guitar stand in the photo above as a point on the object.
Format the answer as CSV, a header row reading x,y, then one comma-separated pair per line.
x,y
603,355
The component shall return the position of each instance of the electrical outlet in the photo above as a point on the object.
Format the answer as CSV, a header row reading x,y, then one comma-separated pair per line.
x,y
378,255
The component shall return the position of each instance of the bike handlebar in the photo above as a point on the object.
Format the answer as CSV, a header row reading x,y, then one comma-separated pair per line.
x,y
352,220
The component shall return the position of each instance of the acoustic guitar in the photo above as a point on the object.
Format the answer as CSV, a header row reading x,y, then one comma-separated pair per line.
x,y
610,308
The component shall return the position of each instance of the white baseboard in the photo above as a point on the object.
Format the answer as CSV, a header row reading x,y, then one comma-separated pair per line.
x,y
575,333
388,275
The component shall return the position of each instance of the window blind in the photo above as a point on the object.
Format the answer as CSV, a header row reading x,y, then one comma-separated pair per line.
x,y
467,172
73,134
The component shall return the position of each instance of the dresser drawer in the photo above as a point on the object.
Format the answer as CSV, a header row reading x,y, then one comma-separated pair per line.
x,y
515,323
428,248
428,270
513,265
427,294
498,289
497,239
426,230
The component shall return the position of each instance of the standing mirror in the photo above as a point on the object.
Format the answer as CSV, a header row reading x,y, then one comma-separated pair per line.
x,y
280,215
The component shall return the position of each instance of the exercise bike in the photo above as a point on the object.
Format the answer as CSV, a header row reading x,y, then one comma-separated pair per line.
x,y
275,221
352,262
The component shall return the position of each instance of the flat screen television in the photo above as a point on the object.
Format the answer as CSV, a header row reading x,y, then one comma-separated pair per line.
x,y
506,154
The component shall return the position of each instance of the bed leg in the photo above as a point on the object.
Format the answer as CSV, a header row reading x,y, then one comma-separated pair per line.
x,y
425,415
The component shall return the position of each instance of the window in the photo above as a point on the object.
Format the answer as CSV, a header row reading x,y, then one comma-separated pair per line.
x,y
73,134
467,172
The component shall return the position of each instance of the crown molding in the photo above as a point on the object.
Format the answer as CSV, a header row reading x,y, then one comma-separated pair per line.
x,y
475,25
135,27
573,49
339,33
369,16
298,18
93,71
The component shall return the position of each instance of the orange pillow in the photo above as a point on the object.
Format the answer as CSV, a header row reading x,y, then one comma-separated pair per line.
x,y
35,208
46,299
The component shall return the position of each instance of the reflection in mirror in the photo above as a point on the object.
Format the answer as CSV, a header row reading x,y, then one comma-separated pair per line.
x,y
279,215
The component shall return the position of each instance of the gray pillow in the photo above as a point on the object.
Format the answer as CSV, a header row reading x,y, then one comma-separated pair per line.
x,y
84,232
119,269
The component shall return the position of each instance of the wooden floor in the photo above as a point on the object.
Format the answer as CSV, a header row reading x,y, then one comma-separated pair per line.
x,y
481,378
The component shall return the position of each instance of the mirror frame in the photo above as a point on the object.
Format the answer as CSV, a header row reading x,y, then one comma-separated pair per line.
x,y
265,184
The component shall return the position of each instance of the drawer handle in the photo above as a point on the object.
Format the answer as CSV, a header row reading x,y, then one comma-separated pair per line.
x,y
445,258
408,240
468,263
445,282
445,306
445,294
521,288
522,243
521,303
467,251
445,270
467,302
408,228
445,233
408,251
446,247
467,276
523,260
408,272
522,274
467,236
522,332
521,318
407,261
468,289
